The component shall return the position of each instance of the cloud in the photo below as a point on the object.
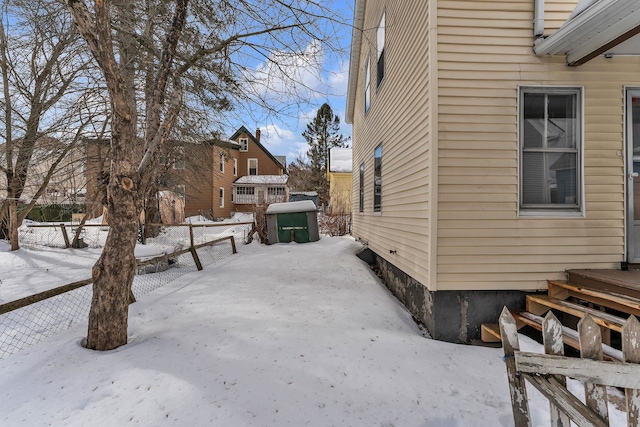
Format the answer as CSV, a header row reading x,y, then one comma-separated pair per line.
x,y
273,135
289,75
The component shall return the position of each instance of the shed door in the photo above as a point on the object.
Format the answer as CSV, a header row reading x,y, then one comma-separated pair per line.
x,y
633,176
293,227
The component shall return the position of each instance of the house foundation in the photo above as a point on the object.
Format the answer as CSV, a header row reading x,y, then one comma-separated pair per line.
x,y
452,316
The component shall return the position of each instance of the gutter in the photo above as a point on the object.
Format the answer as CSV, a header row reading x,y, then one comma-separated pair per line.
x,y
354,59
538,20
573,31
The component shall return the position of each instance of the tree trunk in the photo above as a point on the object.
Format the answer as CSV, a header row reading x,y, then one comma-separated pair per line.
x,y
13,224
113,272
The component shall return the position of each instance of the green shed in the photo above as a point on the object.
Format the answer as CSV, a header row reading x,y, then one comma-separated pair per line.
x,y
292,222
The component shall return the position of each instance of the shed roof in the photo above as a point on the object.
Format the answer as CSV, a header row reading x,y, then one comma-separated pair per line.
x,y
291,207
263,179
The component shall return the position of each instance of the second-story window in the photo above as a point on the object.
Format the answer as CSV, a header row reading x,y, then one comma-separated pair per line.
x,y
380,36
235,167
367,86
222,163
253,166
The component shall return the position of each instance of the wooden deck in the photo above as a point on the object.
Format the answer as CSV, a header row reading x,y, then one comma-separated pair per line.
x,y
615,281
609,297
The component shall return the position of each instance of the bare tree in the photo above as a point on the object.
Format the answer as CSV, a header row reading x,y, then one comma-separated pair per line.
x,y
45,103
168,48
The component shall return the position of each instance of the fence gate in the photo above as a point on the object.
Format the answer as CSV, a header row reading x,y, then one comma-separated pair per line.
x,y
547,373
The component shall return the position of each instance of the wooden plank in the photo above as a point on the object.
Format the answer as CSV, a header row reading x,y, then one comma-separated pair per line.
x,y
622,282
41,296
615,374
553,340
631,351
624,303
540,303
567,402
517,386
490,332
591,348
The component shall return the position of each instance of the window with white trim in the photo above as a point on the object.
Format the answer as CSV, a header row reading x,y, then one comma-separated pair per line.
x,y
361,201
252,166
221,204
380,36
235,167
377,179
244,144
221,163
550,148
367,86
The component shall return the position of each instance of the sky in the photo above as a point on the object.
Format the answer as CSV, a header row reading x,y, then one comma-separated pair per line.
x,y
282,134
308,336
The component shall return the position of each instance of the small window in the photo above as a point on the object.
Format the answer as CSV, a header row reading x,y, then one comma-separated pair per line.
x,y
361,198
253,166
377,179
244,144
221,197
235,167
380,36
367,86
222,163
178,162
550,147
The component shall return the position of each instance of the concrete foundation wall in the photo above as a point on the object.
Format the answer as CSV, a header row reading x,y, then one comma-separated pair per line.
x,y
453,316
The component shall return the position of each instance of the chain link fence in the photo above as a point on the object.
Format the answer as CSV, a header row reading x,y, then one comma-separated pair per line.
x,y
35,318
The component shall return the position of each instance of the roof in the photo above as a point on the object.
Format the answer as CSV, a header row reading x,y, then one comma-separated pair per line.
x,y
340,160
244,130
354,59
595,27
304,193
301,206
262,179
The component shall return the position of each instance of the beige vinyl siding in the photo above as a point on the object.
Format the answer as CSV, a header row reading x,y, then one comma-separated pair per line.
x,y
399,119
483,243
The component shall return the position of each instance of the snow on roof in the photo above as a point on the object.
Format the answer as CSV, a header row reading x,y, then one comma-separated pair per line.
x,y
303,193
340,160
263,179
288,207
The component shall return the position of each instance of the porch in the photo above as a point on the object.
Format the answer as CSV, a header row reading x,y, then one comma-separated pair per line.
x,y
608,296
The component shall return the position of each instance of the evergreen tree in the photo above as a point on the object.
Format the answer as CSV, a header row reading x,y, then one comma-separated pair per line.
x,y
322,135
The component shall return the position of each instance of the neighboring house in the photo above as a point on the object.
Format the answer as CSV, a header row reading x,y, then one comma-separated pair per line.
x,y
340,179
254,158
67,185
203,175
492,157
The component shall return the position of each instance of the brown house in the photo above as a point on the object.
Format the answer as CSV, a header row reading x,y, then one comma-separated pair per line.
x,y
203,175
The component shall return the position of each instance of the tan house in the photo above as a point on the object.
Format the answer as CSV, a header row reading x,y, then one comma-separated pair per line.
x,y
340,180
496,147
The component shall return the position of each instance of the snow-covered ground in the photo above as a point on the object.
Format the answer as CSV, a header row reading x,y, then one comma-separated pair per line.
x,y
282,335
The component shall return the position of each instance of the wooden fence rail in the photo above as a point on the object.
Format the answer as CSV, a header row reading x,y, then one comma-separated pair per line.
x,y
41,296
548,372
